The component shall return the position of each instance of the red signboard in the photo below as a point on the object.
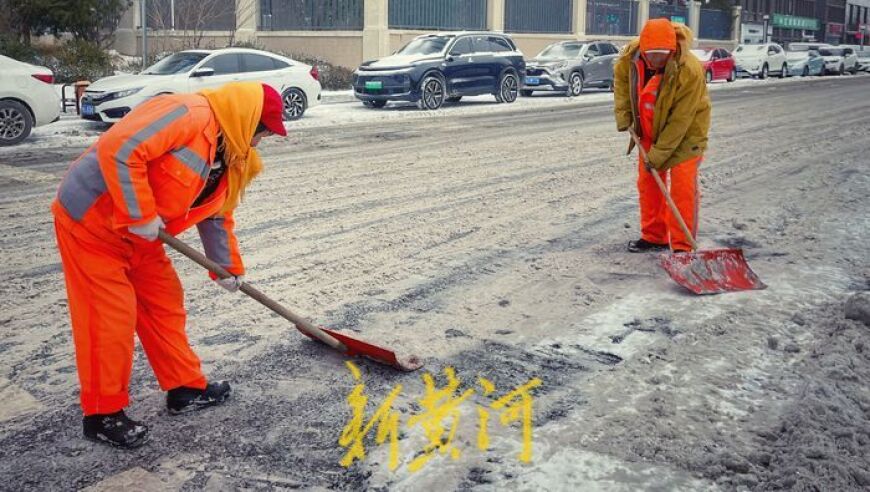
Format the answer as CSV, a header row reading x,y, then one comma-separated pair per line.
x,y
835,28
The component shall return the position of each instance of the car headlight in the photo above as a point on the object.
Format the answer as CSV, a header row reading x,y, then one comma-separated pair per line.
x,y
559,66
125,93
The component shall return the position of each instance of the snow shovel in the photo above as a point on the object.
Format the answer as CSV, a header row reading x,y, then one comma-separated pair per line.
x,y
338,341
702,272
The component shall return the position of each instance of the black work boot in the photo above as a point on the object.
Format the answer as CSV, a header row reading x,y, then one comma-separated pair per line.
x,y
183,400
116,429
644,246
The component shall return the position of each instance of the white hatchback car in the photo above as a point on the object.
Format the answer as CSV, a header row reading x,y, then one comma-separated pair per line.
x,y
761,60
110,98
27,99
840,60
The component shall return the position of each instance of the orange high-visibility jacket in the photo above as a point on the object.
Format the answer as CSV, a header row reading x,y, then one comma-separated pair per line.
x,y
153,162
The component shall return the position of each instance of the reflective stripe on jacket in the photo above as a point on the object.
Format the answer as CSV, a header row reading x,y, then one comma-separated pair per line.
x,y
153,162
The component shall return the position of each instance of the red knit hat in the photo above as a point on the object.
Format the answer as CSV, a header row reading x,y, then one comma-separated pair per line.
x,y
272,116
658,34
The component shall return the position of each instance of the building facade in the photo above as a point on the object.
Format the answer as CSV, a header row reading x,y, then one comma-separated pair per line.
x,y
786,20
347,32
857,22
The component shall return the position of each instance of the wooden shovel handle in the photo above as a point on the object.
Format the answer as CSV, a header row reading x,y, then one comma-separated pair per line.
x,y
203,261
664,189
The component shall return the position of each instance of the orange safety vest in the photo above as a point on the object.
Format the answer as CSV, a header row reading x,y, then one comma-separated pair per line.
x,y
647,101
153,162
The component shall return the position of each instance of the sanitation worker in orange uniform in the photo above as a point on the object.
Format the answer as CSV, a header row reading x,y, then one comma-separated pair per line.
x,y
174,162
660,91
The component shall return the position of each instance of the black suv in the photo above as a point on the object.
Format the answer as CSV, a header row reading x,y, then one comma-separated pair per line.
x,y
435,68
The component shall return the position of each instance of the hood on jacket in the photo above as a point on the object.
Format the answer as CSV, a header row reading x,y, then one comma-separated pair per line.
x,y
685,40
237,107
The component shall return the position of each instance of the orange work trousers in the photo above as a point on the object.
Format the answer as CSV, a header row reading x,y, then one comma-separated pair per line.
x,y
116,288
657,223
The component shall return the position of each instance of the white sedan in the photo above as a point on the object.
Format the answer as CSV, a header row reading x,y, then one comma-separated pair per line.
x,y
27,99
111,98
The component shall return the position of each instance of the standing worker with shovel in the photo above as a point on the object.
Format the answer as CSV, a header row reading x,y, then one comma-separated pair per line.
x,y
174,162
661,94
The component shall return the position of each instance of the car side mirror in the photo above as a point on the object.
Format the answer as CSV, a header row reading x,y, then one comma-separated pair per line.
x,y
588,56
203,72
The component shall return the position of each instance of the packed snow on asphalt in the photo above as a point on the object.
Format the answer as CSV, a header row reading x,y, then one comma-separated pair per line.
x,y
489,239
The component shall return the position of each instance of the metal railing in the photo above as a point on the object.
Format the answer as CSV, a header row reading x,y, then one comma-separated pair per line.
x,y
437,14
311,15
611,17
192,15
715,24
544,16
675,13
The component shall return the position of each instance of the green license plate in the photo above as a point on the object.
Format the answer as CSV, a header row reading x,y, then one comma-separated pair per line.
x,y
374,84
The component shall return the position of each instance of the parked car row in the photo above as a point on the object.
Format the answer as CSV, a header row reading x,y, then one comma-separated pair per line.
x,y
763,60
439,68
28,98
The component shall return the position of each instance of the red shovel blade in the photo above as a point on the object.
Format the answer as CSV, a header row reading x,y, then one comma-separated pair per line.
x,y
712,271
365,349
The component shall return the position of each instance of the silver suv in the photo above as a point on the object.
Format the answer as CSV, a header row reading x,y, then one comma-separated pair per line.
x,y
570,67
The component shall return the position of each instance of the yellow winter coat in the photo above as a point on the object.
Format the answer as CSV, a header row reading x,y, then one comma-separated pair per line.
x,y
682,111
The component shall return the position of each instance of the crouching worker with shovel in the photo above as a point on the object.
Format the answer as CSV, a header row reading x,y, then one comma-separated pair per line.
x,y
661,94
174,162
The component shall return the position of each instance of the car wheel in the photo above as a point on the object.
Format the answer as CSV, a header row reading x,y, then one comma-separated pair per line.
x,y
708,76
842,70
855,69
764,72
526,93
806,71
15,122
508,88
576,84
784,72
374,104
733,76
431,93
294,104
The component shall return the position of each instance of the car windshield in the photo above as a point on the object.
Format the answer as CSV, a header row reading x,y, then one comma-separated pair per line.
x,y
559,50
797,55
744,48
703,54
863,54
831,52
175,63
430,45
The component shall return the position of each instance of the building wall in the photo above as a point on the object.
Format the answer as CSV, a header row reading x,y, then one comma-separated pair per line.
x,y
350,48
343,48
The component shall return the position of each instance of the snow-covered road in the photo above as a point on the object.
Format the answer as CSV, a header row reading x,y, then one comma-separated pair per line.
x,y
490,238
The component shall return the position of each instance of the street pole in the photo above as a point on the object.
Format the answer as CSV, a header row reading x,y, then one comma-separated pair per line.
x,y
766,20
144,23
